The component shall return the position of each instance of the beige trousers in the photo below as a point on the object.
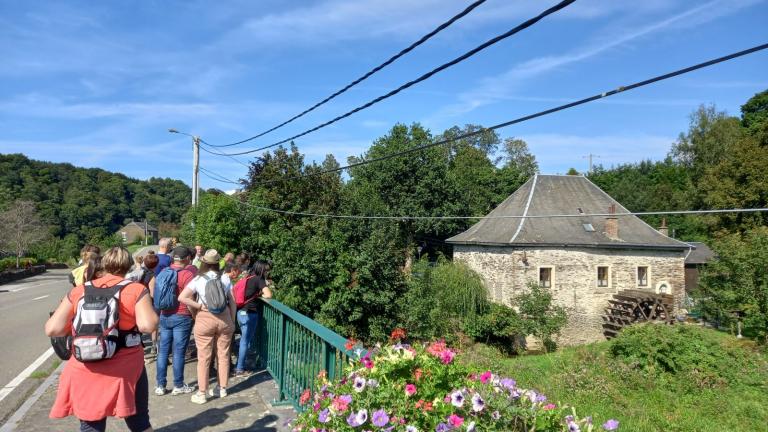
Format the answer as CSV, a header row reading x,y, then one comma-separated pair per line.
x,y
213,330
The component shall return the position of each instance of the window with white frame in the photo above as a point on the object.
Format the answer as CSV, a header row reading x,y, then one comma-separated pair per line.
x,y
603,275
642,276
545,277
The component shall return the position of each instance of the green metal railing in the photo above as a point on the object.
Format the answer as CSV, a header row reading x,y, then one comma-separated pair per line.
x,y
294,349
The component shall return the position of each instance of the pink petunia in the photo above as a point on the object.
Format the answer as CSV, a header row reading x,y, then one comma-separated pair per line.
x,y
410,389
485,377
455,420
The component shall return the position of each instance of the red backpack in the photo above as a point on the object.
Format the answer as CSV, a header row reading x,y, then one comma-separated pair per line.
x,y
238,292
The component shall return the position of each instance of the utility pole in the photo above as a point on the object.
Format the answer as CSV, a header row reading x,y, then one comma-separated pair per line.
x,y
590,156
195,169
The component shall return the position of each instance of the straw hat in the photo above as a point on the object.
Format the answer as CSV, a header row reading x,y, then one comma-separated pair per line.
x,y
211,257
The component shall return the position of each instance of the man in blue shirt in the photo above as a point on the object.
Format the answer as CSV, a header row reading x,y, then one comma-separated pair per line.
x,y
163,259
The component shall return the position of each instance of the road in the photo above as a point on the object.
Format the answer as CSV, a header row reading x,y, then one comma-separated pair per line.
x,y
24,307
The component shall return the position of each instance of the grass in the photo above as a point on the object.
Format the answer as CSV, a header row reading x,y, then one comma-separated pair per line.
x,y
134,247
724,391
41,374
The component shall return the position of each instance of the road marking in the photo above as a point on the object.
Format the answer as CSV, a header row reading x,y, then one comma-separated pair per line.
x,y
37,286
41,297
18,416
5,391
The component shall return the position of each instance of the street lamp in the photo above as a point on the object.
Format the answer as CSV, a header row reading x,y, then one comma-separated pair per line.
x,y
195,163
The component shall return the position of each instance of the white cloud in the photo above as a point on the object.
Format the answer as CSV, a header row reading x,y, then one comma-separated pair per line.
x,y
501,87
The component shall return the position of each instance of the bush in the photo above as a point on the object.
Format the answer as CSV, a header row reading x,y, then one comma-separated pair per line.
x,y
9,263
441,298
499,326
704,356
540,317
421,388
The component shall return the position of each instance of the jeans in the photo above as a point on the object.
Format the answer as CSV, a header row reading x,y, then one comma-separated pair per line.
x,y
138,422
174,332
248,322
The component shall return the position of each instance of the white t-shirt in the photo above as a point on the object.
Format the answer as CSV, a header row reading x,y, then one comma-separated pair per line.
x,y
227,282
197,285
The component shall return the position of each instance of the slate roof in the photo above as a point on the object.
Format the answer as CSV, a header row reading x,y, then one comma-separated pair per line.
x,y
562,195
702,254
141,225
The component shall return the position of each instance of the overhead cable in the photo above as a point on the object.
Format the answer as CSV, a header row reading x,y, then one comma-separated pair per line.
x,y
533,116
203,145
424,77
218,177
391,60
551,216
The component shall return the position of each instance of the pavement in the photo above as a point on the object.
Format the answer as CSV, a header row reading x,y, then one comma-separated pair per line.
x,y
247,407
24,308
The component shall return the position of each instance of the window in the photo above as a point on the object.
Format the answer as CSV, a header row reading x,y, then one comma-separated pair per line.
x,y
588,227
602,276
545,277
642,276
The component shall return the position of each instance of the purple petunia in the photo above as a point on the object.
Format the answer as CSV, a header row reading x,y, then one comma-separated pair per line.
x,y
357,419
380,418
541,398
359,384
471,427
372,383
442,427
457,399
495,415
611,425
411,428
324,416
508,383
477,403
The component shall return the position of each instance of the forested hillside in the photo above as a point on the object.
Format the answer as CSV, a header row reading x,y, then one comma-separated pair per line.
x,y
91,204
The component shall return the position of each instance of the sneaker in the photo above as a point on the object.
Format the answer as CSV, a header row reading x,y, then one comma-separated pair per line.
x,y
185,389
160,391
222,392
242,374
199,398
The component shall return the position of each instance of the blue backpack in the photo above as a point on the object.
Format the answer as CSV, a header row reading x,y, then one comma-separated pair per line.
x,y
165,290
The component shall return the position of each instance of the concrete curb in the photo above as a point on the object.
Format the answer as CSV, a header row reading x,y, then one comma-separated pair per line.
x,y
16,418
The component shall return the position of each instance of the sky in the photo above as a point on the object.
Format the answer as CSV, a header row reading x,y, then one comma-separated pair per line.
x,y
98,84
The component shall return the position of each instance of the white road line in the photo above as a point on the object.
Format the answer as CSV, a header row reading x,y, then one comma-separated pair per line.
x,y
38,285
5,391
41,297
18,416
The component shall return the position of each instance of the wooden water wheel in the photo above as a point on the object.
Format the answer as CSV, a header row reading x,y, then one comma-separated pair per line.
x,y
635,306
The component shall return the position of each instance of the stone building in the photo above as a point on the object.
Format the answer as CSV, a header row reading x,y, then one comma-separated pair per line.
x,y
583,260
134,231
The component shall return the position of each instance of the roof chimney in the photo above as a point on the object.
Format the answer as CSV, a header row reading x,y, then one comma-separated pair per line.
x,y
663,228
612,224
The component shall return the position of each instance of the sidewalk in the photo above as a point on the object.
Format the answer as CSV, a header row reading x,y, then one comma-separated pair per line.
x,y
246,408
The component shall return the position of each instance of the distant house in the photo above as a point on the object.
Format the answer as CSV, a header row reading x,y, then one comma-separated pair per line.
x,y
695,260
135,231
583,260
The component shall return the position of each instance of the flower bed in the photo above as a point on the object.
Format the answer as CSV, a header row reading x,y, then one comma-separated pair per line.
x,y
421,388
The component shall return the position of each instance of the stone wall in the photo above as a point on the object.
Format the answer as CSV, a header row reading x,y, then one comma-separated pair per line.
x,y
507,271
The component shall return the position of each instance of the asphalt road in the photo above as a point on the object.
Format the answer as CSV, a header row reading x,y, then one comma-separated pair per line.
x,y
24,308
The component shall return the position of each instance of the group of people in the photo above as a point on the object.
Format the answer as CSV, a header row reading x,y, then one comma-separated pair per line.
x,y
173,294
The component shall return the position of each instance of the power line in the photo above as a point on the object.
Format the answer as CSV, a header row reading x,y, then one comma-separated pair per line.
x,y
424,77
210,174
535,115
391,60
552,216
203,147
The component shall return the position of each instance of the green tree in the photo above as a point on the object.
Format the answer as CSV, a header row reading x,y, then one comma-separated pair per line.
x,y
738,281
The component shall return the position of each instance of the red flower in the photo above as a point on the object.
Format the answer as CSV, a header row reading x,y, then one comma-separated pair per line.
x,y
350,344
305,396
398,334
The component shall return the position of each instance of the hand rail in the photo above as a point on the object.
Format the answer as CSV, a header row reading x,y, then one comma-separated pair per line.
x,y
295,349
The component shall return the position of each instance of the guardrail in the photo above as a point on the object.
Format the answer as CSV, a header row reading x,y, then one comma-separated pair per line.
x,y
294,349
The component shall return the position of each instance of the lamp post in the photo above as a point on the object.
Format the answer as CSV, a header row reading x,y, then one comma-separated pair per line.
x,y
195,164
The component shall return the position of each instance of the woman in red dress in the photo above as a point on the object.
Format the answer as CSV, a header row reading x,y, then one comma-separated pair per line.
x,y
113,387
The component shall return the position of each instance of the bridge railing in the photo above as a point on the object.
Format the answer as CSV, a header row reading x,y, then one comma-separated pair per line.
x,y
294,349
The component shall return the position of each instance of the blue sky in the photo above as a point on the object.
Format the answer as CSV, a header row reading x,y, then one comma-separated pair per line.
x,y
98,84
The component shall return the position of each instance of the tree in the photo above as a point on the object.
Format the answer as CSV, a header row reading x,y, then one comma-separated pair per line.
x,y
738,280
21,228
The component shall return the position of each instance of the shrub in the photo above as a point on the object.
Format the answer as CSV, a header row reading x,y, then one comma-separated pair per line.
x,y
421,388
499,326
704,356
540,317
9,263
440,298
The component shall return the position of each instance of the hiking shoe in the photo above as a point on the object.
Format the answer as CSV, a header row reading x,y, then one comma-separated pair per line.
x,y
221,391
199,398
185,389
160,391
243,374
